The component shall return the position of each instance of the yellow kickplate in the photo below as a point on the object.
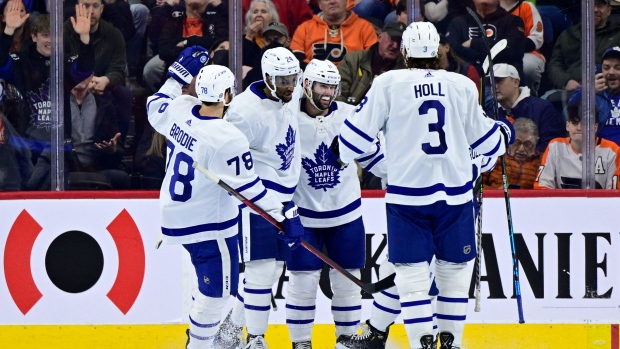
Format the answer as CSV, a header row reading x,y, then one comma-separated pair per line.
x,y
173,337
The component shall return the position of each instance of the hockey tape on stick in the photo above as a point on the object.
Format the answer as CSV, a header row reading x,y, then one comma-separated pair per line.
x,y
369,288
495,50
511,233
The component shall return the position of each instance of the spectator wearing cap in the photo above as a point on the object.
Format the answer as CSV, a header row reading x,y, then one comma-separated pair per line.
x,y
565,63
332,34
516,102
607,96
358,69
522,159
561,165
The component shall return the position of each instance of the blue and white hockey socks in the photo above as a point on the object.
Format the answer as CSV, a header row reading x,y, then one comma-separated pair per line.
x,y
204,320
453,283
386,305
413,283
301,304
346,302
259,278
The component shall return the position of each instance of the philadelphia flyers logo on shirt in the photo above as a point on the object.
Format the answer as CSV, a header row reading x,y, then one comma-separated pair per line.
x,y
330,51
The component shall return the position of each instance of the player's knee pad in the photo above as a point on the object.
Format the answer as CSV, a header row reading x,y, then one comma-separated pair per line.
x,y
412,279
303,284
260,273
207,310
343,287
453,279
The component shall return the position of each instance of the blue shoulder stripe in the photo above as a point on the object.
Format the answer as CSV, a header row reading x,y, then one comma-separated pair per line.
x,y
358,131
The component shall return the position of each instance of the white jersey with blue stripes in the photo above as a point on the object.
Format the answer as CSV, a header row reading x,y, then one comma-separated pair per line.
x,y
270,126
430,119
194,208
326,196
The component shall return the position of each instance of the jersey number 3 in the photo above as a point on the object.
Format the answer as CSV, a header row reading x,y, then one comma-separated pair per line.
x,y
435,127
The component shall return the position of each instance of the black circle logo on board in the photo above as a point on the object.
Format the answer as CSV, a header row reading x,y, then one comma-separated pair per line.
x,y
74,261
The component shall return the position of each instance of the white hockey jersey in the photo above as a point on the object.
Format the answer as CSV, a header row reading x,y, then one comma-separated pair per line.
x,y
271,128
326,196
194,208
430,119
561,166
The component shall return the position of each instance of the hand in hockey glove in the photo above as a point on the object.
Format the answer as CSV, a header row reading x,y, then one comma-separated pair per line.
x,y
294,230
507,131
333,155
188,64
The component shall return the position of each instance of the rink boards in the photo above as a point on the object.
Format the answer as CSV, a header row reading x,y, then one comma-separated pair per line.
x,y
130,295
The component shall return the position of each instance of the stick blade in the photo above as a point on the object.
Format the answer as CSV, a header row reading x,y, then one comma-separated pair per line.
x,y
380,285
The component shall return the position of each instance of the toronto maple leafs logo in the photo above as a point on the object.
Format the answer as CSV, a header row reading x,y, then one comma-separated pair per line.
x,y
321,175
614,118
286,150
41,106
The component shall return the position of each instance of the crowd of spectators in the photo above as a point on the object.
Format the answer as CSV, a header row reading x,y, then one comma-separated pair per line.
x,y
118,58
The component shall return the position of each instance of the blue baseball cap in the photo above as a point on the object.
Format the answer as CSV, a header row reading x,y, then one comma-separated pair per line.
x,y
611,52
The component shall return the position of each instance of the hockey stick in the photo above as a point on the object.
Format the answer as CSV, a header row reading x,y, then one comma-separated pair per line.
x,y
515,263
369,288
479,247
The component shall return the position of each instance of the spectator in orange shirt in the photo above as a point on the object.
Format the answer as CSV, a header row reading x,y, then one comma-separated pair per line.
x,y
522,159
332,33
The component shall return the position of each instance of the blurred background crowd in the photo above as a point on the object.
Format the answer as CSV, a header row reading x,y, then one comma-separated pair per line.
x,y
113,63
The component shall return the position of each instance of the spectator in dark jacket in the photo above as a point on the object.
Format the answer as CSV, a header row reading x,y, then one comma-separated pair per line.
x,y
515,102
30,73
202,23
466,40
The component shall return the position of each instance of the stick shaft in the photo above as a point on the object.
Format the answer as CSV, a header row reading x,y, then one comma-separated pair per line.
x,y
279,225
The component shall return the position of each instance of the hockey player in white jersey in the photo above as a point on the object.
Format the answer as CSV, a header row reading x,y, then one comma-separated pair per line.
x,y
430,118
195,211
266,113
386,305
329,201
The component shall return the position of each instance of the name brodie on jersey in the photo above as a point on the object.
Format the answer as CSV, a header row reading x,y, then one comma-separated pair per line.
x,y
432,89
182,138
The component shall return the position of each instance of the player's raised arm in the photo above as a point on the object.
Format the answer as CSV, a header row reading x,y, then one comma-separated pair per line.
x,y
180,73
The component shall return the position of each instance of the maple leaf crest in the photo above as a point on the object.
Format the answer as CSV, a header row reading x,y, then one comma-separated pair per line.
x,y
286,150
40,106
321,175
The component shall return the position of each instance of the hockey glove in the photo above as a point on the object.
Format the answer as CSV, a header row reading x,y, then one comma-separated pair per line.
x,y
188,64
294,230
507,131
333,155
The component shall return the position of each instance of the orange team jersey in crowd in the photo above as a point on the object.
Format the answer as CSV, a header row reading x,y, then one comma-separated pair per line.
x,y
351,3
533,25
192,26
315,39
560,167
